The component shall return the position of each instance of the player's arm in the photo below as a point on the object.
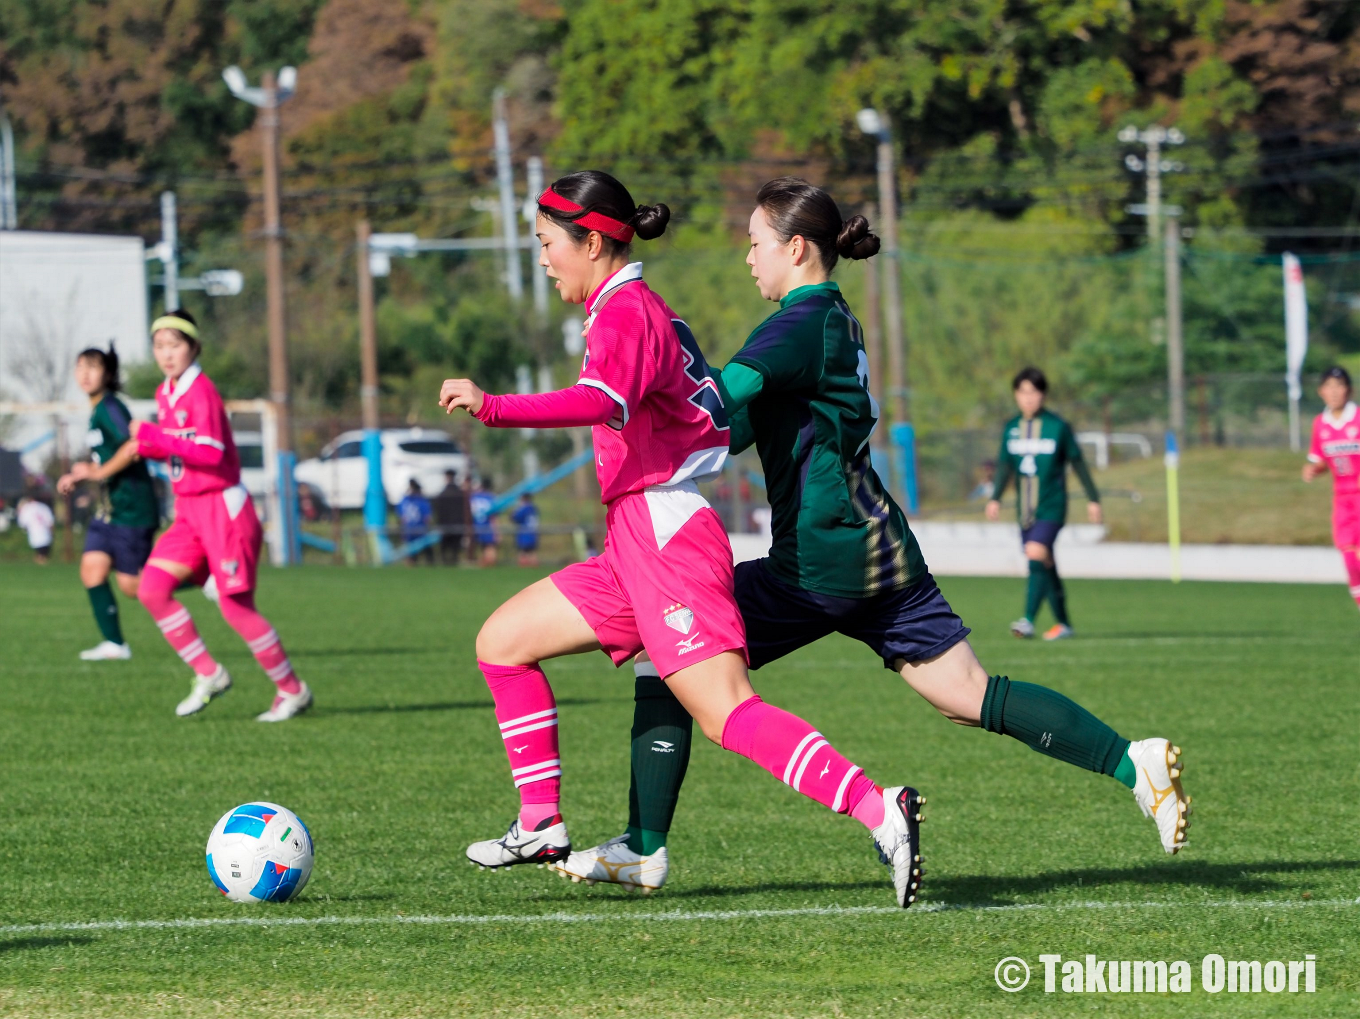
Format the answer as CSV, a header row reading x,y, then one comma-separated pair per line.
x,y
91,471
1072,453
1316,464
565,408
1002,479
738,385
155,443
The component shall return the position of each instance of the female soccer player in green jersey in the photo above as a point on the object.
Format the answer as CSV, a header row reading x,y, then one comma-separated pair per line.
x,y
843,558
1037,447
120,536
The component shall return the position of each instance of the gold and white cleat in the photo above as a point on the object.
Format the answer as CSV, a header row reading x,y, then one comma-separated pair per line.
x,y
615,862
1159,792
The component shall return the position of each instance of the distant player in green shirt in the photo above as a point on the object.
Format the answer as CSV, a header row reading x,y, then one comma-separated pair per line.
x,y
1037,447
843,559
120,537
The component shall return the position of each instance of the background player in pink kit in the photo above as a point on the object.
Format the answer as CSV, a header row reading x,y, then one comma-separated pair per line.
x,y
1336,447
216,532
664,582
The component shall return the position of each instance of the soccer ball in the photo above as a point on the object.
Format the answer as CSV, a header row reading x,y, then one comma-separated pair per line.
x,y
260,852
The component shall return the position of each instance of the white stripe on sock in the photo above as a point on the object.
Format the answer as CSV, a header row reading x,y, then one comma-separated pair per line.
x,y
537,778
793,761
807,759
173,620
545,724
555,762
512,722
281,671
264,642
845,784
191,651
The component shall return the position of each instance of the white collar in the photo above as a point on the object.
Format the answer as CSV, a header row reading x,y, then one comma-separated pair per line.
x,y
631,271
1347,413
173,391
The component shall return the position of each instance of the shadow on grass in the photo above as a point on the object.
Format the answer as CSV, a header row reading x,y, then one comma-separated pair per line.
x,y
1247,878
719,891
371,709
26,944
347,652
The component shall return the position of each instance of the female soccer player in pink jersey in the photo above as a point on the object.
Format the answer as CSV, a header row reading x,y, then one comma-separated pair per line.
x,y
1336,448
215,533
664,582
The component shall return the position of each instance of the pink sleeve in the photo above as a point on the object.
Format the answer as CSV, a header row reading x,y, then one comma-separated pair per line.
x,y
1315,447
579,405
154,444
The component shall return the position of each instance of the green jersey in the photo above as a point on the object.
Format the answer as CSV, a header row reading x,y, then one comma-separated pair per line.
x,y
1038,452
836,530
127,498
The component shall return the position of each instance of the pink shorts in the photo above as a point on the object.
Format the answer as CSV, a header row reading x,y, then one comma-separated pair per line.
x,y
663,584
218,531
1346,522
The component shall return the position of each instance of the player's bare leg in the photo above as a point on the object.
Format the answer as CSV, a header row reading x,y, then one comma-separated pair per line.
x,y
957,685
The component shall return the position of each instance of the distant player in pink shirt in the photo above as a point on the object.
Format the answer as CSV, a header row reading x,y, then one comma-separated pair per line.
x,y
1336,448
216,532
664,581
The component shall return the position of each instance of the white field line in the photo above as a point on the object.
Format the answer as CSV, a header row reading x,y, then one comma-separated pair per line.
x,y
650,916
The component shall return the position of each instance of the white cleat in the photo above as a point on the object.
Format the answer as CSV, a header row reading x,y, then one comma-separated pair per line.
x,y
615,862
1158,790
1022,628
287,706
1058,631
205,689
898,840
548,845
106,651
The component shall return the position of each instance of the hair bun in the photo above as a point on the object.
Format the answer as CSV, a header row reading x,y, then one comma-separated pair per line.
x,y
650,220
855,240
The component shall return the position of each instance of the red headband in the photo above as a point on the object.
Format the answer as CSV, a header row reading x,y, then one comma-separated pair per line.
x,y
607,225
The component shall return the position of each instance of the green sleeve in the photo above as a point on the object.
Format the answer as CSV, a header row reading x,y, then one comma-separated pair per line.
x,y
738,385
787,348
1072,452
1003,467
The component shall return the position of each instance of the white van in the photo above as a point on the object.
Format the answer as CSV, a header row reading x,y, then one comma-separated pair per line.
x,y
340,473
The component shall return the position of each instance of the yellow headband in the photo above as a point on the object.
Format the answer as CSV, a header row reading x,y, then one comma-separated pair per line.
x,y
175,322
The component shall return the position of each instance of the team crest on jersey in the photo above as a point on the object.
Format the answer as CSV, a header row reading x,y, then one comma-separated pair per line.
x,y
181,416
678,617
230,567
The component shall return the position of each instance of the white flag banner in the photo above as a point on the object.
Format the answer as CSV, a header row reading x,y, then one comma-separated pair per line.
x,y
1295,324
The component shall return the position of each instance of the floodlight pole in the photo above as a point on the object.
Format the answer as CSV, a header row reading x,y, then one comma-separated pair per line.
x,y
169,249
375,496
9,212
505,179
534,173
1175,346
873,338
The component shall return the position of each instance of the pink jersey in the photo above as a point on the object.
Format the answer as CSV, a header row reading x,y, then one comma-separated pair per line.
x,y
669,425
1336,443
193,434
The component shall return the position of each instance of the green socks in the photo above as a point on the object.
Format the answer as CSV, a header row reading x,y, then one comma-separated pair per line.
x,y
1057,597
661,737
105,612
1037,588
1046,721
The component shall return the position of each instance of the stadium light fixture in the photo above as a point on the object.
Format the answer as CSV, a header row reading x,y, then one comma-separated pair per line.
x,y
872,122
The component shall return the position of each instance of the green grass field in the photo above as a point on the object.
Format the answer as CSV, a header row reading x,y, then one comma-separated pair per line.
x,y
775,907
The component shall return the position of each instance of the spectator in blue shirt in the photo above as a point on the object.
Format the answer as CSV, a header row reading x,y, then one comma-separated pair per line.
x,y
483,527
526,530
415,514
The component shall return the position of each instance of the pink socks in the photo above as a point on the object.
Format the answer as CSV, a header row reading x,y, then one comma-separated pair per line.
x,y
239,612
1352,560
527,712
156,592
791,750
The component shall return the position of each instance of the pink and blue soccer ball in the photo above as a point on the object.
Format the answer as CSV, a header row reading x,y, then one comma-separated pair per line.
x,y
260,852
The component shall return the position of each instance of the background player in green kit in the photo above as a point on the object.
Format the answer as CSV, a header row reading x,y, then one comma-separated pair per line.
x,y
1037,447
120,537
843,558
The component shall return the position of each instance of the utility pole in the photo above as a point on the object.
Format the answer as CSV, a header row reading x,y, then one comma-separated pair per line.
x,y
9,212
1153,167
536,273
1175,347
873,337
375,496
505,178
169,249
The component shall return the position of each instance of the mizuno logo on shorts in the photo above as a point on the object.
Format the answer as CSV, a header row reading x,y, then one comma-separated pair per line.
x,y
687,645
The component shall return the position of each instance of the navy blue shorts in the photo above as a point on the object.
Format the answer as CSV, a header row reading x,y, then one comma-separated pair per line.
x,y
128,547
913,623
1045,532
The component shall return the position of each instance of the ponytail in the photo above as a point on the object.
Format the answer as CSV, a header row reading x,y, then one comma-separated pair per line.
x,y
795,208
